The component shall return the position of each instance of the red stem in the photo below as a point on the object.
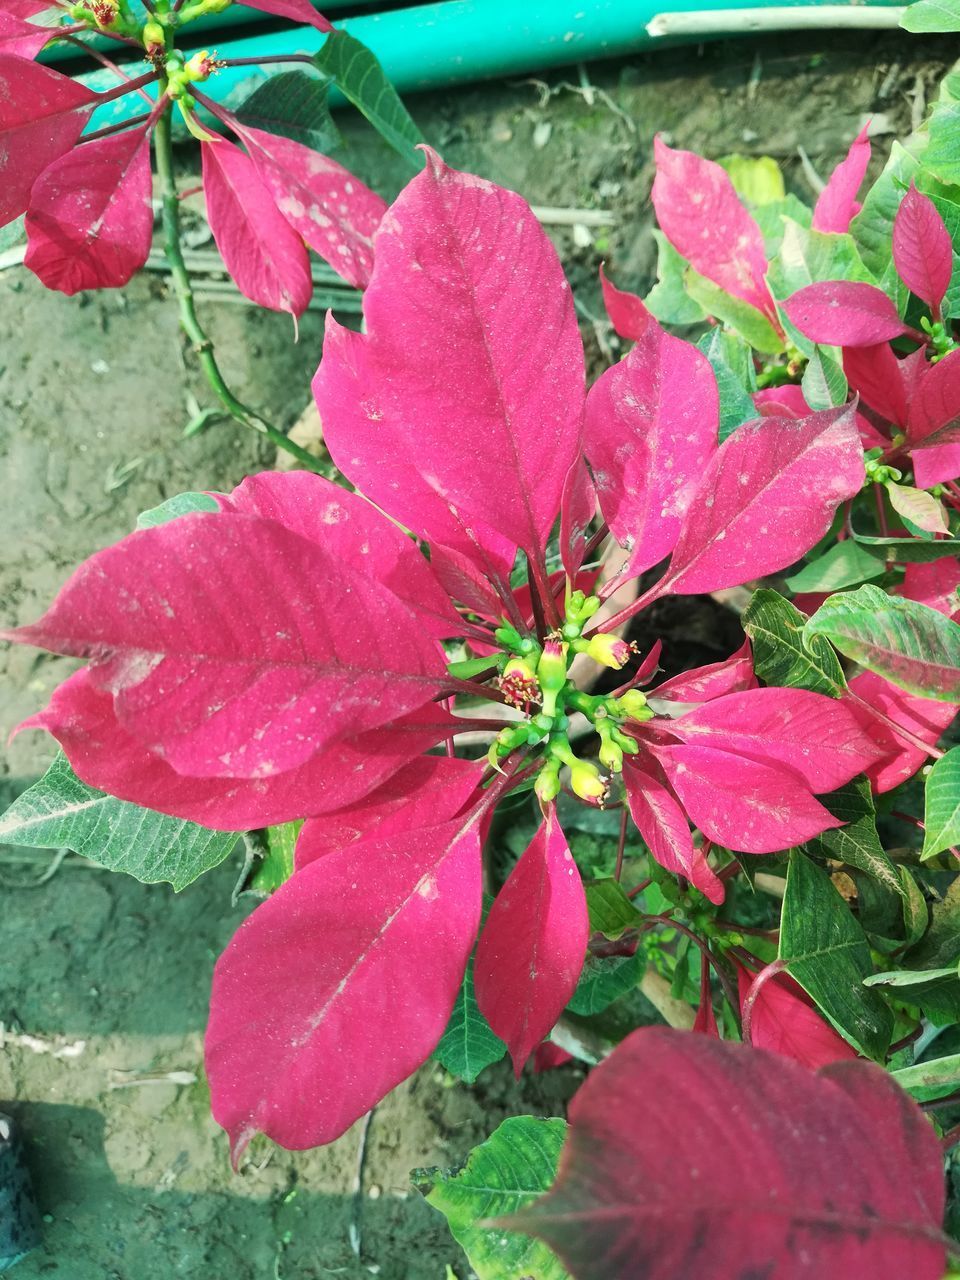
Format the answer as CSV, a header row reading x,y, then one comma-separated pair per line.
x,y
128,86
759,981
621,845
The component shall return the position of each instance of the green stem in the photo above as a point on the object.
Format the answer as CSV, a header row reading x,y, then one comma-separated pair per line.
x,y
202,345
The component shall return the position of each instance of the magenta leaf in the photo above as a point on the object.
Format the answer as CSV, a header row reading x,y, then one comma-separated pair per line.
x,y
703,684
702,217
24,8
461,405
225,645
340,985
922,718
24,39
935,464
628,314
837,203
784,1020
665,830
874,373
261,250
90,220
533,944
749,1166
42,114
922,252
766,496
844,313
334,212
934,417
300,11
741,803
578,506
816,737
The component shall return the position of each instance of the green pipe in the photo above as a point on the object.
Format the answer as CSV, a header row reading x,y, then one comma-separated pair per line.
x,y
436,45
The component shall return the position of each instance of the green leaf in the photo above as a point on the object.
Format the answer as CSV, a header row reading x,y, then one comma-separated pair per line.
x,y
872,228
915,914
910,644
828,954
917,507
910,550
668,299
610,910
294,105
359,76
942,153
824,383
941,818
808,257
935,991
515,1165
926,1081
932,15
605,979
469,1043
780,656
750,323
846,564
857,844
61,812
277,867
756,179
940,945
732,362
182,504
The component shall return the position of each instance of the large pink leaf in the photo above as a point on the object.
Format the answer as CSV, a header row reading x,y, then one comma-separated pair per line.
x,y
788,401
24,8
767,495
844,313
261,250
466,391
934,584
922,718
665,831
628,314
934,415
692,1157
341,984
354,532
300,11
24,39
741,803
935,465
784,1020
237,648
331,209
702,217
104,755
533,944
922,252
42,114
427,791
650,430
875,373
90,220
814,736
703,684
837,203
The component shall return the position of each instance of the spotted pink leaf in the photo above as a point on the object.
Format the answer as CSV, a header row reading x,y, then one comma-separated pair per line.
x,y
765,497
922,252
650,430
24,39
703,684
42,114
837,203
341,984
702,217
299,11
628,313
531,951
665,830
748,1166
488,443
261,250
784,1020
334,212
225,645
844,313
90,220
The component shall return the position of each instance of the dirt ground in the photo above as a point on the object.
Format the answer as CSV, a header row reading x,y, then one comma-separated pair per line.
x,y
105,981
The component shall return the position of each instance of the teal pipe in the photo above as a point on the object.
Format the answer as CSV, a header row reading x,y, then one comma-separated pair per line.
x,y
436,45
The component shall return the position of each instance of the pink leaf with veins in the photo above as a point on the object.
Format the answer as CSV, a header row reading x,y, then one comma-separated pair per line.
x,y
665,830
650,430
341,984
90,220
703,684
741,803
300,11
628,314
324,203
23,39
533,944
844,313
935,465
104,755
934,417
263,253
224,643
922,252
42,114
703,218
463,400
837,203
816,737
874,372
766,496
785,1021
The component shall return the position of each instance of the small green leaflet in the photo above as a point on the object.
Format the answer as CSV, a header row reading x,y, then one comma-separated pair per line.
x,y
604,980
925,1081
359,76
908,643
941,818
824,383
756,179
294,105
469,1043
515,1165
846,564
611,911
932,15
857,844
61,812
935,991
181,504
277,867
910,550
942,154
751,324
732,362
668,299
773,218
917,507
780,656
828,954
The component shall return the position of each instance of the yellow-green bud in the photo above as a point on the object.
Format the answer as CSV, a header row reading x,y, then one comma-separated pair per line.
x,y
587,782
633,705
609,650
152,35
547,785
